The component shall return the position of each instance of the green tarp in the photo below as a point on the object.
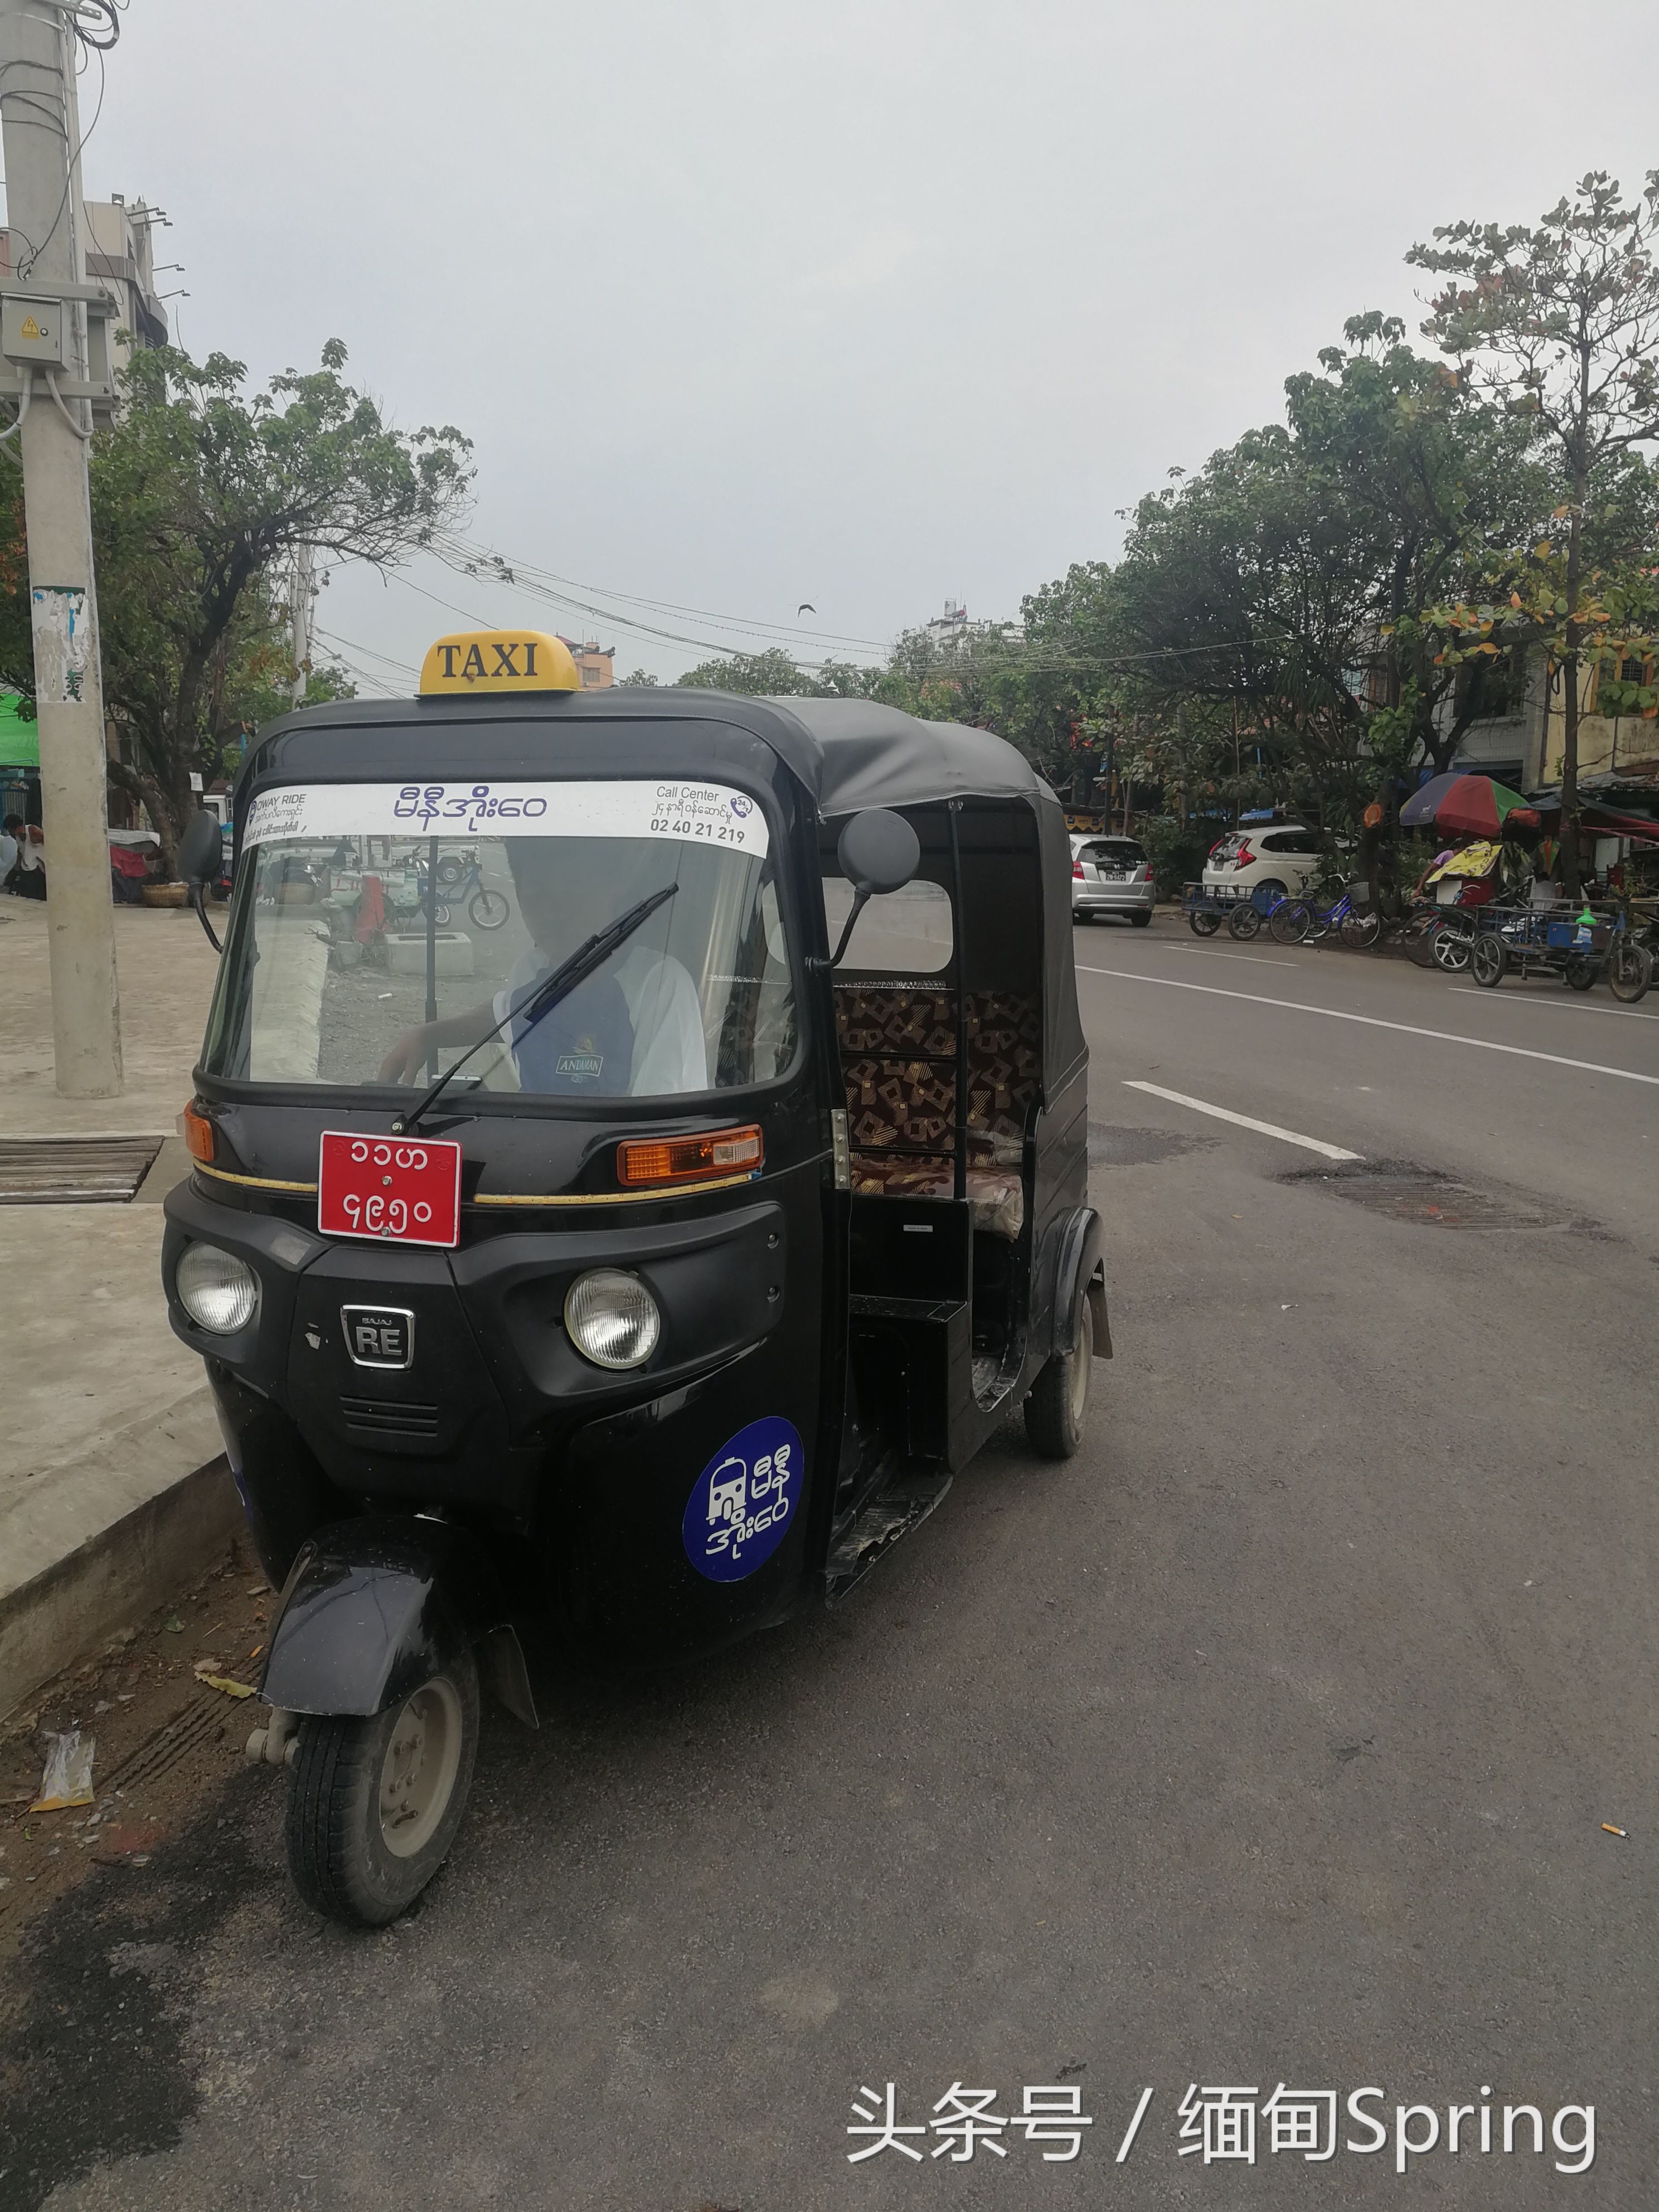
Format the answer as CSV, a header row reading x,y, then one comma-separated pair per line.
x,y
19,741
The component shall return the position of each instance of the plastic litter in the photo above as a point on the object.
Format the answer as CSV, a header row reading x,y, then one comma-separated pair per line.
x,y
68,1778
173,1625
231,1689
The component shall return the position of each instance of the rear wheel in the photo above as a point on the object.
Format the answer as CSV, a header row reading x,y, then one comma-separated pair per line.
x,y
1630,970
1244,921
1488,960
1205,921
1059,1399
1578,973
1141,921
374,1804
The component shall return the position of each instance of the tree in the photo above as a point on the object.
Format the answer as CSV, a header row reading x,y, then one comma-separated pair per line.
x,y
200,493
1560,324
771,674
1281,595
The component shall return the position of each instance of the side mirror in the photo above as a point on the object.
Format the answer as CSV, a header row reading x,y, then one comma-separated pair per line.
x,y
201,850
201,856
879,852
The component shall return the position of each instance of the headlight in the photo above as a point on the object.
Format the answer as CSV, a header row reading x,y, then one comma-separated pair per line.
x,y
217,1291
612,1318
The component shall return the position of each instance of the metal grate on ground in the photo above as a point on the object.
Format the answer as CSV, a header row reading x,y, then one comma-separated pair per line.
x,y
74,1171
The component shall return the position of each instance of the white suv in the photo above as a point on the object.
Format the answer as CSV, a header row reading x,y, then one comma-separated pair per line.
x,y
1274,858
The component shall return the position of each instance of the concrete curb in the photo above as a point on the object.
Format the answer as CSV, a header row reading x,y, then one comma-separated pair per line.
x,y
77,1566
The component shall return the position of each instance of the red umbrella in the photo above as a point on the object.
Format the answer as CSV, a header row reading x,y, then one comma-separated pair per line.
x,y
1475,806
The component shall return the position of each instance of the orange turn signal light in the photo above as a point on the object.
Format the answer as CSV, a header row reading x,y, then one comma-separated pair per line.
x,y
198,1134
690,1159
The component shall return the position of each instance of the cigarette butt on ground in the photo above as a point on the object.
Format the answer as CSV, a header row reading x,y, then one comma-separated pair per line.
x,y
1608,1829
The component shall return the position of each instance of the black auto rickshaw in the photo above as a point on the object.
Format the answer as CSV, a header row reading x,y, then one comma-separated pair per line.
x,y
644,1266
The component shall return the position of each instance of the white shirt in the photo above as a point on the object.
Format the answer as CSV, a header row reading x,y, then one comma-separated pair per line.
x,y
669,1054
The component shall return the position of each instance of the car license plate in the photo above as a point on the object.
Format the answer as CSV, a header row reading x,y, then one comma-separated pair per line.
x,y
397,1190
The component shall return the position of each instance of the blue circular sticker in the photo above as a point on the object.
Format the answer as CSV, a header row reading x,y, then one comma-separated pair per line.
x,y
741,1504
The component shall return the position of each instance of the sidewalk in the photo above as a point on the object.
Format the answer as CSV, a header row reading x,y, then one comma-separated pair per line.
x,y
113,1491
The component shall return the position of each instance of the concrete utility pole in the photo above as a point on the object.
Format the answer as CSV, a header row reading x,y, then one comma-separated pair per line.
x,y
304,593
40,132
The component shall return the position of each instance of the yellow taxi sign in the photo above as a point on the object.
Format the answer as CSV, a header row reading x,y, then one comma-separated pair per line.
x,y
484,661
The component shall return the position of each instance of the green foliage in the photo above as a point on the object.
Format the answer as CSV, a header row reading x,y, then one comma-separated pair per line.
x,y
1558,324
200,493
771,674
1177,850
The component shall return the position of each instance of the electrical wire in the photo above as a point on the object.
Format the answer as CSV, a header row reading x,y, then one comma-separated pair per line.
x,y
754,626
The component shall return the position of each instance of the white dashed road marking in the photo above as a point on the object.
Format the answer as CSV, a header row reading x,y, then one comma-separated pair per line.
x,y
1245,1121
1373,1022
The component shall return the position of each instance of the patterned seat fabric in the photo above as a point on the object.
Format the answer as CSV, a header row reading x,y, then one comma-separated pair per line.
x,y
898,1062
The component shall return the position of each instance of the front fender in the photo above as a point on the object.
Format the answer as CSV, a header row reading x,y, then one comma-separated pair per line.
x,y
373,1607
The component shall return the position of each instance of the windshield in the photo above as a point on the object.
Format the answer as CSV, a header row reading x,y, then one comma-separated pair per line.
x,y
381,931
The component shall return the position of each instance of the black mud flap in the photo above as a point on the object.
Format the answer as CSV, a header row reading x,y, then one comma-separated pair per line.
x,y
373,1607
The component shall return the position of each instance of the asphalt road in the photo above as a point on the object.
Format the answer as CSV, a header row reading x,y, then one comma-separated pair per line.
x,y
1269,1741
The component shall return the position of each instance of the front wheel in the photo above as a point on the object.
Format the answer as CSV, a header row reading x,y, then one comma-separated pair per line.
x,y
1488,961
374,1804
1059,1399
1205,921
1451,948
1629,971
1359,932
1289,921
1244,921
489,910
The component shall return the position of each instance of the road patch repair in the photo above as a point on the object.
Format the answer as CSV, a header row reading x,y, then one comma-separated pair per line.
x,y
1113,1146
1400,1191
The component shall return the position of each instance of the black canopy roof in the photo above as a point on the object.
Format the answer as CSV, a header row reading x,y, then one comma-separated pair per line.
x,y
849,753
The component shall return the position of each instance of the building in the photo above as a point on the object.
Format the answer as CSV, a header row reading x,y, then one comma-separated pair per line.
x,y
1520,742
597,667
120,254
949,628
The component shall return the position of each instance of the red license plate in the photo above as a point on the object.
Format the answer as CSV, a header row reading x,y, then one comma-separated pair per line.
x,y
397,1190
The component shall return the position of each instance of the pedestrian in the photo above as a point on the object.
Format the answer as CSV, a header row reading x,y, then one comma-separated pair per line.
x,y
29,876
8,848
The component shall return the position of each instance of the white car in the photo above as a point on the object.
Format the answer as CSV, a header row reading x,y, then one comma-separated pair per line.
x,y
1276,859
1111,874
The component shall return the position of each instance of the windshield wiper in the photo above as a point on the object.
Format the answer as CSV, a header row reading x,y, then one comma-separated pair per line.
x,y
542,997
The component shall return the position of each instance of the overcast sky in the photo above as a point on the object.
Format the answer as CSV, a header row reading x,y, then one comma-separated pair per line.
x,y
747,302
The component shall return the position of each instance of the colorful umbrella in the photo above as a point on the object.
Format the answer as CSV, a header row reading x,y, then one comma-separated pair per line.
x,y
1466,805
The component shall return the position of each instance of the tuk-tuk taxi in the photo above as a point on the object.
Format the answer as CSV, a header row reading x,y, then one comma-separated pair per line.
x,y
642,1261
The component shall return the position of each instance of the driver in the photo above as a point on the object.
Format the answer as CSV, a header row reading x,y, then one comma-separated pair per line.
x,y
634,1028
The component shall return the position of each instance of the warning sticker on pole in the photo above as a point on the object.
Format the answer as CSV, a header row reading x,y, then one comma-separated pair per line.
x,y
63,641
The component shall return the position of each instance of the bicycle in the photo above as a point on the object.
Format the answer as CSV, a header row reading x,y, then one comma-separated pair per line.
x,y
1304,921
486,909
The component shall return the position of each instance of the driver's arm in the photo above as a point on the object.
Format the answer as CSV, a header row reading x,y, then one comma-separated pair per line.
x,y
403,1063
